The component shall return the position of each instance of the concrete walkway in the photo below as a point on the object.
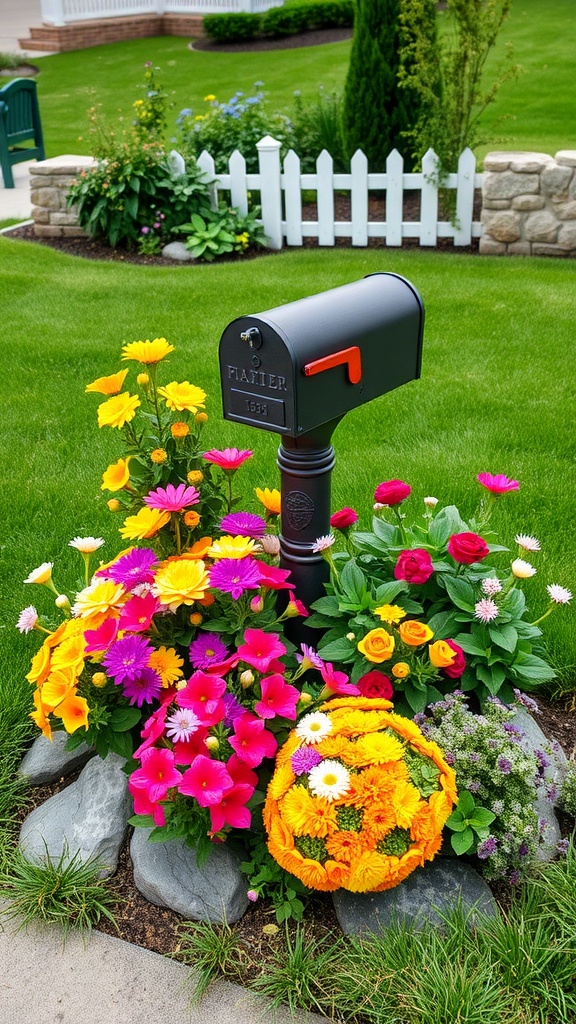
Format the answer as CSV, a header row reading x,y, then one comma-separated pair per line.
x,y
103,980
17,17
15,202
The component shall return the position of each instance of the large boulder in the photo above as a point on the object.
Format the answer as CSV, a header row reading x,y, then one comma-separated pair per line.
x,y
48,760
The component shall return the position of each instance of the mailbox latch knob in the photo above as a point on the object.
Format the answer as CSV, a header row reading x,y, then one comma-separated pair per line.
x,y
351,357
252,336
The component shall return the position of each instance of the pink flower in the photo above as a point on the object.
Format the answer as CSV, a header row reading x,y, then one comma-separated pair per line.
x,y
136,615
337,682
240,772
498,484
232,810
260,648
100,639
153,728
206,780
172,499
203,695
278,698
376,684
252,741
157,774
229,458
467,548
343,519
414,566
455,669
391,492
486,610
142,802
185,751
273,577
295,608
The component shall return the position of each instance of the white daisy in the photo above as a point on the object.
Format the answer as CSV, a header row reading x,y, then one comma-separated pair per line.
x,y
27,619
43,574
329,779
86,545
323,543
560,595
314,727
527,543
430,502
522,570
181,725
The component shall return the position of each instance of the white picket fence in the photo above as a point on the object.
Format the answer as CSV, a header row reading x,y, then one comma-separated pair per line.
x,y
281,197
65,12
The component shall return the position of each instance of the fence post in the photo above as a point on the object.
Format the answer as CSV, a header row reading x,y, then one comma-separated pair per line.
x,y
359,198
465,198
206,164
429,201
325,198
293,199
270,190
238,190
394,197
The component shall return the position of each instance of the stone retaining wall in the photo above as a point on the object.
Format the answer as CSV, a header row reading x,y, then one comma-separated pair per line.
x,y
529,204
49,183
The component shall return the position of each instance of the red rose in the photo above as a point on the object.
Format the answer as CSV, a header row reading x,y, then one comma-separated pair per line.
x,y
391,492
467,548
343,519
375,684
414,566
456,668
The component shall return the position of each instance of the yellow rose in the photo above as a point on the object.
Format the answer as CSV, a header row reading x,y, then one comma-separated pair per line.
x,y
400,670
441,654
415,633
377,646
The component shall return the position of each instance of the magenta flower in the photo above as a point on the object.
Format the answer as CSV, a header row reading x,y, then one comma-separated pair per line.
x,y
304,759
172,499
260,648
278,698
243,524
235,575
100,639
203,695
143,688
498,484
228,458
157,774
392,492
252,741
206,650
136,615
142,802
232,810
337,682
343,519
132,569
206,780
274,578
126,658
240,772
153,728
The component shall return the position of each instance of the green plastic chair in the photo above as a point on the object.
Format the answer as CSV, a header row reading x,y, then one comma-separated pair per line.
x,y
19,123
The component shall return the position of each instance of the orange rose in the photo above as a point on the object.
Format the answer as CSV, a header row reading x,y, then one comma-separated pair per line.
x,y
400,670
377,646
441,654
415,633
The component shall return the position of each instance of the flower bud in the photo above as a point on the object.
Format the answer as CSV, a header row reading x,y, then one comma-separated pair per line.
x,y
99,679
305,698
257,604
142,379
430,502
211,742
246,679
270,544
158,456
195,619
350,636
252,895
400,670
179,429
62,602
113,504
201,417
522,570
195,476
191,519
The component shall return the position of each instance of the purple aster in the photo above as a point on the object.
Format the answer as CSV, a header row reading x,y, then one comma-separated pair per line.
x,y
304,759
310,654
513,731
523,850
133,569
206,650
543,759
233,710
235,575
526,701
181,725
486,848
143,688
552,793
243,524
172,499
127,658
504,765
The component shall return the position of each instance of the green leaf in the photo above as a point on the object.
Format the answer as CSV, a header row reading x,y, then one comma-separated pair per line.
x,y
469,644
123,719
353,581
443,625
338,650
466,803
531,667
460,593
444,524
386,532
504,636
462,841
387,593
482,817
142,821
326,606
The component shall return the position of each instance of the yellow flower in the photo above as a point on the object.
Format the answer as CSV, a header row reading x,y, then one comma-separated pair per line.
x,y
368,872
111,385
73,711
113,504
56,687
377,747
181,582
191,519
441,654
270,499
406,801
195,476
158,456
231,547
116,476
39,716
118,410
98,600
179,429
209,98
147,351
70,654
43,574
377,646
184,396
305,814
415,633
400,670
390,613
167,664
143,379
146,523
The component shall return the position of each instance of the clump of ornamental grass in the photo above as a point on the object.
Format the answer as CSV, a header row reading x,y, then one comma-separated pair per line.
x,y
212,950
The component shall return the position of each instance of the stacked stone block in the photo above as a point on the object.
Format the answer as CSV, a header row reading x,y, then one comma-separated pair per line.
x,y
49,184
529,204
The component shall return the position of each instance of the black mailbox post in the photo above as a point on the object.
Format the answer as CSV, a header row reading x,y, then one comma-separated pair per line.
x,y
297,370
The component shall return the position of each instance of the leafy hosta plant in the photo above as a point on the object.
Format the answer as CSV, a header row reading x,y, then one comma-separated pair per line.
x,y
422,602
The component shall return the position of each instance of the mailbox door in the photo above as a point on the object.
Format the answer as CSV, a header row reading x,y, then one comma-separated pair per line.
x,y
257,376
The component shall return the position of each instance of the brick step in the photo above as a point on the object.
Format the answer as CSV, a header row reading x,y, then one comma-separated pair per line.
x,y
84,34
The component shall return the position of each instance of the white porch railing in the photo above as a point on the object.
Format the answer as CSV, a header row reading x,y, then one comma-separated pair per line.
x,y
65,12
281,197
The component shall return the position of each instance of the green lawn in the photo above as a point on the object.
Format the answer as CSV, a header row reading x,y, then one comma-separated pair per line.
x,y
539,106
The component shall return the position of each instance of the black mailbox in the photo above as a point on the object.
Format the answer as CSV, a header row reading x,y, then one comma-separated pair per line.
x,y
296,367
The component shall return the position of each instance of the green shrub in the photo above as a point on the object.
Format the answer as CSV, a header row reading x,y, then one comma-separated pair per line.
x,y
231,28
317,125
294,17
222,231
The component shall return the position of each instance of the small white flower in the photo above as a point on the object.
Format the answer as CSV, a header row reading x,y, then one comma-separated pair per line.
x,y
329,779
527,543
141,589
491,586
42,574
86,545
62,601
560,595
181,725
378,506
486,610
314,727
430,502
522,570
323,543
27,619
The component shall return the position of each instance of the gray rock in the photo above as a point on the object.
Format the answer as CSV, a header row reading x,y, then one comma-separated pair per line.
x,y
88,819
507,184
541,226
177,251
422,898
532,741
528,203
566,157
48,760
555,179
167,874
503,226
